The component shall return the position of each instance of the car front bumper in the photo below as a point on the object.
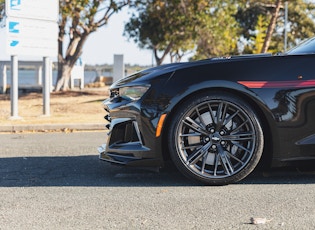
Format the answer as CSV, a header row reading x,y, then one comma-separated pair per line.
x,y
131,137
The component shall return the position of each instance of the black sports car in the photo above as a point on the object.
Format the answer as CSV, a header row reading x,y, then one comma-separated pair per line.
x,y
216,118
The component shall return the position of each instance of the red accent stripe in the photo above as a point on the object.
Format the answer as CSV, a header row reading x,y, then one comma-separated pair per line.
x,y
278,84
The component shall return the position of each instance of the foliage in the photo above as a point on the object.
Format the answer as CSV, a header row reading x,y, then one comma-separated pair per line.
x,y
219,34
217,28
300,22
257,39
168,27
260,29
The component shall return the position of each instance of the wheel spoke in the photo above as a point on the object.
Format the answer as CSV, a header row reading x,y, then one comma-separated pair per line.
x,y
239,137
218,115
204,160
211,113
241,147
226,163
216,164
195,157
224,112
235,158
201,119
193,146
230,118
190,135
221,114
194,125
239,126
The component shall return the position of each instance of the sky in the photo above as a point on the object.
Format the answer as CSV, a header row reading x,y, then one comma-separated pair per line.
x,y
101,45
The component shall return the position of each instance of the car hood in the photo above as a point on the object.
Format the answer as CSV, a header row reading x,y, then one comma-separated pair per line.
x,y
167,69
147,74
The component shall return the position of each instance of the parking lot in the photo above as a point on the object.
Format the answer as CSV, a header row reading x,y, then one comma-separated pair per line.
x,y
55,181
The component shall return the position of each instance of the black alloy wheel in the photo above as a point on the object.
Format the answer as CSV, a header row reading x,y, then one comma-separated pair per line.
x,y
215,138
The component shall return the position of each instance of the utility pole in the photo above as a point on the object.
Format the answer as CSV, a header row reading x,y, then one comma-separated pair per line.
x,y
285,26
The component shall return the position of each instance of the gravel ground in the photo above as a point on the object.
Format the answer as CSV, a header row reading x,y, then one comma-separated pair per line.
x,y
80,106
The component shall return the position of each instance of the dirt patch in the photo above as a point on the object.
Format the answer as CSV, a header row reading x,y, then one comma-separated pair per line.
x,y
79,106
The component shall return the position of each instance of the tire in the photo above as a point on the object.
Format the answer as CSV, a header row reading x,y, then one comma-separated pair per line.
x,y
215,138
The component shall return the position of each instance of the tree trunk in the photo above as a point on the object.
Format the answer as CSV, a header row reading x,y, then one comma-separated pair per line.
x,y
66,64
63,82
271,27
159,60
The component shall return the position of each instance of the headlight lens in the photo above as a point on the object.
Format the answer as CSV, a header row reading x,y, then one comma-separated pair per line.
x,y
133,92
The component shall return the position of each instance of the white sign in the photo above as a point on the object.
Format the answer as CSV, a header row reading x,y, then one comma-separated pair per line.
x,y
31,37
33,9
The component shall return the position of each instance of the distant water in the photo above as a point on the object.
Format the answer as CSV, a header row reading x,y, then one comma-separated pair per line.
x,y
29,77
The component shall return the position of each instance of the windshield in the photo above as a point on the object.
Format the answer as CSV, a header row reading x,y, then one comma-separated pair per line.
x,y
306,47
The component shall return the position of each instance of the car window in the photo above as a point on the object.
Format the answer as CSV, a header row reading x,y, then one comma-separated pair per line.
x,y
306,47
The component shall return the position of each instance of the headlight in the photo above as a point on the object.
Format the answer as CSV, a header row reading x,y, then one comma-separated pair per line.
x,y
133,92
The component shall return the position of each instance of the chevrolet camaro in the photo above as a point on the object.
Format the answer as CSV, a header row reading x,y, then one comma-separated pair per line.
x,y
215,119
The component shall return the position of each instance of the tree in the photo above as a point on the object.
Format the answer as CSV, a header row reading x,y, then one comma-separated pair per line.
x,y
219,34
167,27
300,22
78,19
260,38
2,4
256,42
216,28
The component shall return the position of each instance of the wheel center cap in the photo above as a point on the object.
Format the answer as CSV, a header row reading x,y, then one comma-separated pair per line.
x,y
216,138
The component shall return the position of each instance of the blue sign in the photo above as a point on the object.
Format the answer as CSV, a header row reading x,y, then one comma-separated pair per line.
x,y
14,43
12,27
15,4
30,36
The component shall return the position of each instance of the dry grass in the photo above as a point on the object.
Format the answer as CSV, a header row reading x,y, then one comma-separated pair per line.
x,y
84,106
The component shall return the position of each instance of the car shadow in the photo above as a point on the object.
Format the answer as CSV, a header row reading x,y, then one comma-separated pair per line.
x,y
90,171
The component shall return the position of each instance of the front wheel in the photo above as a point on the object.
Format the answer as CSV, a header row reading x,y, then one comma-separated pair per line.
x,y
215,138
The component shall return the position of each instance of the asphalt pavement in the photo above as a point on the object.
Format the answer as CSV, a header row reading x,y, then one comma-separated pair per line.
x,y
56,181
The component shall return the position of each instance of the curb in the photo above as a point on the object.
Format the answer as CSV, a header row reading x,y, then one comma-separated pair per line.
x,y
51,127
